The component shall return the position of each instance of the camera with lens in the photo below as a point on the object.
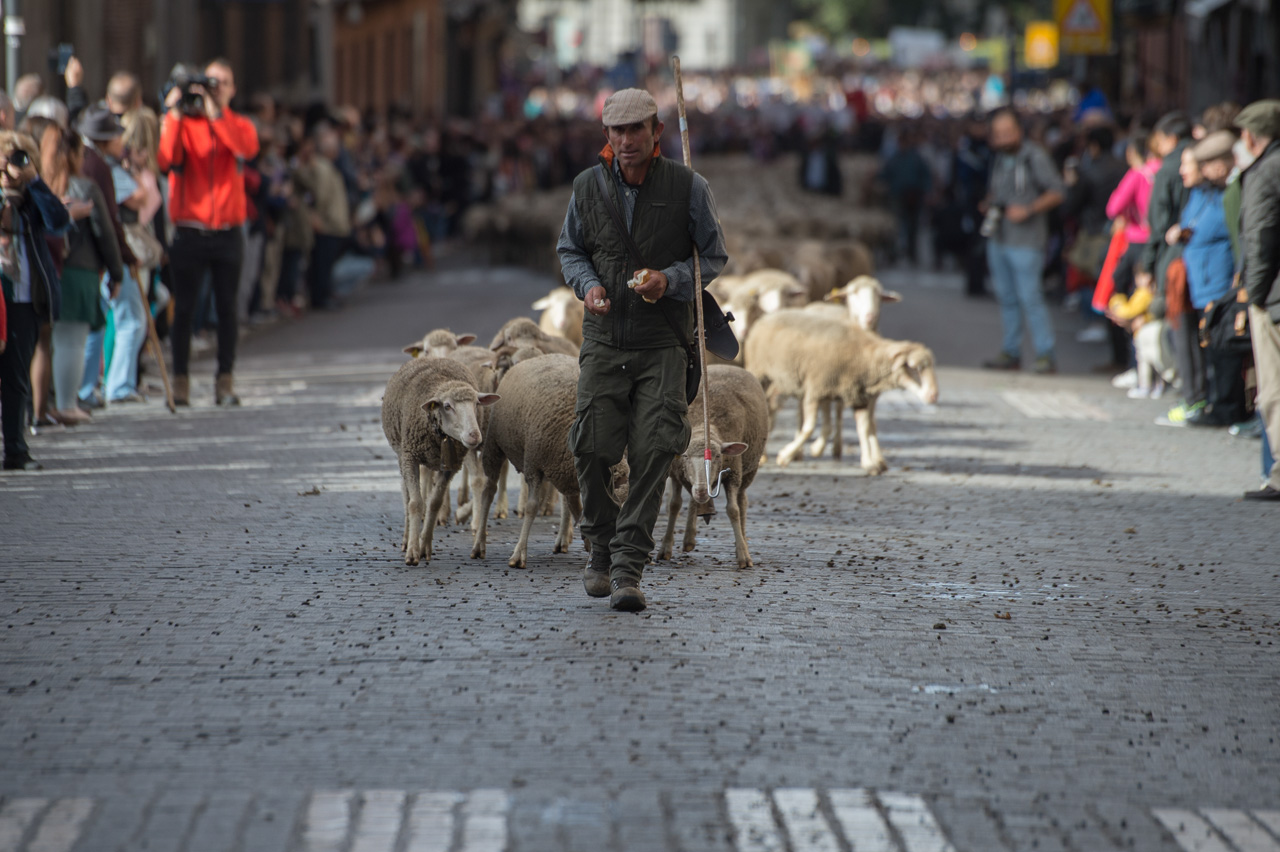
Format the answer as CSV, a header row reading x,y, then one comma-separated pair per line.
x,y
187,80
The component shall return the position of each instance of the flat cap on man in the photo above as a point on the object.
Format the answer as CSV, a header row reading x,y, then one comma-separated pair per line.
x,y
628,106
1215,146
1261,118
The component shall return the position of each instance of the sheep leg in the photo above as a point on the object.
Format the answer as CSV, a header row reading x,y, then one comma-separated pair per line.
x,y
565,533
738,520
673,512
520,556
504,502
470,462
819,445
793,449
522,505
438,506
478,483
405,499
690,527
837,424
480,518
411,475
548,499
868,444
428,478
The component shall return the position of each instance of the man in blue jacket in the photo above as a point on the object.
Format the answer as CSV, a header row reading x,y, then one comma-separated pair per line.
x,y
29,279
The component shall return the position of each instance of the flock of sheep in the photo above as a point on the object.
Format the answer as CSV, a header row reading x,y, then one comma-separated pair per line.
x,y
459,407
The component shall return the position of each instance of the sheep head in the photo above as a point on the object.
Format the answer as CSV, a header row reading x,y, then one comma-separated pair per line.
x,y
913,369
438,344
555,307
453,409
693,461
863,297
517,331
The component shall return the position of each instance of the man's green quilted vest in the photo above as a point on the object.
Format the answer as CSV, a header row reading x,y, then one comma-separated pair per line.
x,y
660,228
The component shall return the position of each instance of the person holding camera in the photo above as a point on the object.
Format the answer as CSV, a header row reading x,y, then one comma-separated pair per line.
x,y
203,147
30,283
1025,186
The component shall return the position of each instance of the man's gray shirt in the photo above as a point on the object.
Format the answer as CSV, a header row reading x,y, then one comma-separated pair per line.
x,y
704,230
1021,178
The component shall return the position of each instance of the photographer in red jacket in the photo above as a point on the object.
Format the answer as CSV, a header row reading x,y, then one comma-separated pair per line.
x,y
203,147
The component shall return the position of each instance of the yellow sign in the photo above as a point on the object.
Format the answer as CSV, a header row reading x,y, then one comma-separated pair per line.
x,y
1041,46
1085,25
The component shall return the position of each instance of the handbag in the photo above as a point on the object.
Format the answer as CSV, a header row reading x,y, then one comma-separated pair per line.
x,y
1177,296
1225,325
714,317
144,245
1106,279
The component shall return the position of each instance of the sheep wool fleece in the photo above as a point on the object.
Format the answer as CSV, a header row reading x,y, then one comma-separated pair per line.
x,y
629,400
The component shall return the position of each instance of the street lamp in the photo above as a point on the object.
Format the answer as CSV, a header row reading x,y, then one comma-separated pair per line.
x,y
14,29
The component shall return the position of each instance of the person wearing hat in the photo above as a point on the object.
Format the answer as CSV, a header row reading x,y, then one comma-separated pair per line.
x,y
1206,253
639,310
1259,125
203,143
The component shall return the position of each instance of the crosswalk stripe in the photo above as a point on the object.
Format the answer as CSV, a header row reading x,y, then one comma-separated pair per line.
x,y
1236,826
1192,833
754,829
484,821
862,824
1271,819
805,823
60,828
1053,405
431,822
16,816
379,823
911,817
328,818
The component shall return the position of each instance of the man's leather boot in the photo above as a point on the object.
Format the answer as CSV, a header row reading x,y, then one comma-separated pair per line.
x,y
225,390
626,596
595,577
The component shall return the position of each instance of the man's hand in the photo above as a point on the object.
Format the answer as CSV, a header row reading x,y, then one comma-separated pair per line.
x,y
78,208
1173,235
597,301
172,99
654,286
1017,213
212,111
74,75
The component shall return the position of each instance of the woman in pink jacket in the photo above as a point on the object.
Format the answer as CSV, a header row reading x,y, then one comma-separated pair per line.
x,y
1127,208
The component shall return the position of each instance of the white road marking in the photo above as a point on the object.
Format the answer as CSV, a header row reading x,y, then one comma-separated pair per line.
x,y
861,822
328,817
61,826
1236,826
1192,833
484,821
911,817
805,823
1271,819
431,822
379,822
754,829
16,816
1053,405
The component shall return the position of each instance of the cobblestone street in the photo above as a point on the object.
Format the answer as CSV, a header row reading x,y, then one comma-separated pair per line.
x,y
1052,626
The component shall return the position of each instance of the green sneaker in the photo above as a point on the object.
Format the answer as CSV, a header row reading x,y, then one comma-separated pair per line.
x,y
1044,366
1003,361
1177,415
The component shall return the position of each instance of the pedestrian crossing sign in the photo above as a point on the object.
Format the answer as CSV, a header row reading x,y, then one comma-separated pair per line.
x,y
1084,26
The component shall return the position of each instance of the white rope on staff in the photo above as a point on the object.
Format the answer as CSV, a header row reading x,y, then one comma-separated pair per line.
x,y
697,296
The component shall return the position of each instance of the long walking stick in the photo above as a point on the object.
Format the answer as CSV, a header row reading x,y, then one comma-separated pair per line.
x,y
153,340
697,297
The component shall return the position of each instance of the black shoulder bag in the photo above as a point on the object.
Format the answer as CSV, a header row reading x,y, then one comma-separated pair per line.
x,y
693,371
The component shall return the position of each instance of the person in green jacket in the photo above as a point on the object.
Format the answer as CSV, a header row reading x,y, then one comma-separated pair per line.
x,y
631,389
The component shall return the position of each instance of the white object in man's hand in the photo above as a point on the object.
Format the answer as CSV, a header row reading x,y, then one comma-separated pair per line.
x,y
597,301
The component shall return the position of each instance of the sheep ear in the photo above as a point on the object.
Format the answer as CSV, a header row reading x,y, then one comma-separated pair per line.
x,y
487,399
431,405
413,350
891,296
733,448
466,339
542,304
836,295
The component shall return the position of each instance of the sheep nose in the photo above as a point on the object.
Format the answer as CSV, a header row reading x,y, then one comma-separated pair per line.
x,y
473,439
701,495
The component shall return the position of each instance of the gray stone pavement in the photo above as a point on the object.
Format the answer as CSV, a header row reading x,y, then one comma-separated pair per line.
x,y
1052,625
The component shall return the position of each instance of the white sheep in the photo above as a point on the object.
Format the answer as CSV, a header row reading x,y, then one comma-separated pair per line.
x,y
802,354
530,428
522,331
739,422
429,418
562,313
862,298
438,343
